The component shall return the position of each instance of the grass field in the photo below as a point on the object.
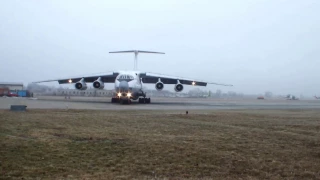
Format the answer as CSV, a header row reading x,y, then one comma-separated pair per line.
x,y
80,144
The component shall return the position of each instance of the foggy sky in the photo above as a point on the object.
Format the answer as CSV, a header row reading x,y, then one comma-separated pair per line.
x,y
256,45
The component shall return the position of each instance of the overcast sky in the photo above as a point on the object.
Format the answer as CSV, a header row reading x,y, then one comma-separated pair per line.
x,y
256,45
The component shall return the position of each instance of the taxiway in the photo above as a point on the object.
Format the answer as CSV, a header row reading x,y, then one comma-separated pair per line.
x,y
58,102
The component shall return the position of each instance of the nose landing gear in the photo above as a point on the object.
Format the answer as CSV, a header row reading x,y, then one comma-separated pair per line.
x,y
120,100
125,101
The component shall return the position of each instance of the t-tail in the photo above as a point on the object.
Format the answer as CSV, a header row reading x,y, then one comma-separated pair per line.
x,y
136,52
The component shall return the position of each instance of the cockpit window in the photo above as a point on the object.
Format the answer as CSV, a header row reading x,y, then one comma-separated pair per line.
x,y
125,77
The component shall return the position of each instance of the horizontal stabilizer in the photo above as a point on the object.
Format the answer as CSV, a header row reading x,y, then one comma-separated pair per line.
x,y
136,51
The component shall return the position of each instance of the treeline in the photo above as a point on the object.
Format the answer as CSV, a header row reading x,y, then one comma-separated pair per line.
x,y
196,92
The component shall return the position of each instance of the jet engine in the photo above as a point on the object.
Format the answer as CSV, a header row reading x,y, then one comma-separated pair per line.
x,y
159,86
81,85
98,84
178,87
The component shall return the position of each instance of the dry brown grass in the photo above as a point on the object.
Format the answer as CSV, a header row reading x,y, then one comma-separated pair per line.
x,y
78,144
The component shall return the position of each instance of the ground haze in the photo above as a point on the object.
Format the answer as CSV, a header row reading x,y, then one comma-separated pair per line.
x,y
73,144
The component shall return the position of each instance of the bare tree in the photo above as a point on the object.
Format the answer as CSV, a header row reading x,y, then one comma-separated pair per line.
x,y
218,93
268,94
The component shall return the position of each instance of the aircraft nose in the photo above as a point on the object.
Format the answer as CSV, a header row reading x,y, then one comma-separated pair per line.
x,y
124,86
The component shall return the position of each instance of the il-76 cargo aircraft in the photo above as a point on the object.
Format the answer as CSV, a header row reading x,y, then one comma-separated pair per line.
x,y
129,84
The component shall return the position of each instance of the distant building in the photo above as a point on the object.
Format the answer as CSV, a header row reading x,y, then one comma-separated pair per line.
x,y
12,86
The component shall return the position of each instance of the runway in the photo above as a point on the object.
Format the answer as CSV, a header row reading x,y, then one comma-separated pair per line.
x,y
101,103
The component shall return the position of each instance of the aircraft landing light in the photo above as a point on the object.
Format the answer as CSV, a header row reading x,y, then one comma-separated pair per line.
x,y
70,80
193,83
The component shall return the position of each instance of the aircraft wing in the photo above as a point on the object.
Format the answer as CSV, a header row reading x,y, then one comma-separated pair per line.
x,y
106,78
152,78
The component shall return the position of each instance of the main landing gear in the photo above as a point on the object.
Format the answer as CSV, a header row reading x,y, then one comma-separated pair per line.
x,y
115,100
144,100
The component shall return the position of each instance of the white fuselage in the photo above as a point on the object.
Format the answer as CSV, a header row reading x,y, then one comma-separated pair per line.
x,y
128,82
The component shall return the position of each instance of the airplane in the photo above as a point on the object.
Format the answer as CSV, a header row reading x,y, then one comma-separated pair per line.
x,y
316,97
292,97
129,84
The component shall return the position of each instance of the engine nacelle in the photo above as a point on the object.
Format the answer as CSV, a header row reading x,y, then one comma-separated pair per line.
x,y
98,84
178,87
159,86
81,85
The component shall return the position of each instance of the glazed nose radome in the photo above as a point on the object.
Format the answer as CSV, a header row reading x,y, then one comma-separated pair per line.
x,y
124,86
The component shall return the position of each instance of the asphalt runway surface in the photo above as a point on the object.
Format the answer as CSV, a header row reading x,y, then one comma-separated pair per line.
x,y
104,103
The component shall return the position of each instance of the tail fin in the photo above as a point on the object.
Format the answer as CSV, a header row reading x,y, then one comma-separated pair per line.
x,y
136,52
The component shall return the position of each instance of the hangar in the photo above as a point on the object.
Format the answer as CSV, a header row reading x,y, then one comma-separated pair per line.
x,y
12,86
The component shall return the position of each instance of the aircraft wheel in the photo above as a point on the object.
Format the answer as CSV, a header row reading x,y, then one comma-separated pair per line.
x,y
125,101
148,100
114,100
143,100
